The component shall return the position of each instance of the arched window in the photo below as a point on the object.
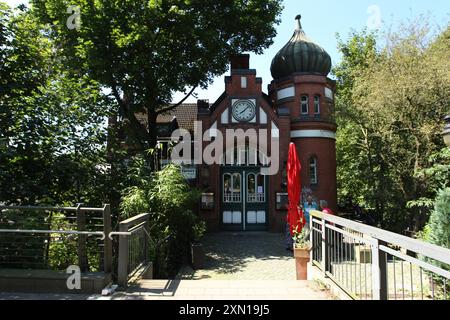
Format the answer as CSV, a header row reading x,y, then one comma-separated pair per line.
x,y
316,104
251,187
227,183
232,187
313,170
304,105
255,188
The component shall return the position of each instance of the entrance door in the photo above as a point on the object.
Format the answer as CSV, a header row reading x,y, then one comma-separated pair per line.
x,y
244,198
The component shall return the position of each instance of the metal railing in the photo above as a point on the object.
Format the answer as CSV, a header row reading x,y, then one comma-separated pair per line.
x,y
134,239
256,197
232,197
371,263
40,237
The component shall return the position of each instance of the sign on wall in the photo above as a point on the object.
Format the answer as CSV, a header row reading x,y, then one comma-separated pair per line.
x,y
189,172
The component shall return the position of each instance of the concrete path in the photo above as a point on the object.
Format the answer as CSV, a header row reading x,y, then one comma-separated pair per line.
x,y
244,256
224,290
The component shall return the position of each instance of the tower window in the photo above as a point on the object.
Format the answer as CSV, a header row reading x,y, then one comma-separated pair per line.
x,y
316,105
243,82
304,105
313,170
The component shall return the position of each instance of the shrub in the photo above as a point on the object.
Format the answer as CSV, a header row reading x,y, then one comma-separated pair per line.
x,y
439,222
437,232
169,200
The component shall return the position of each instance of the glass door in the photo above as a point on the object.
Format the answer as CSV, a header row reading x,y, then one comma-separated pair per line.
x,y
256,200
243,198
232,199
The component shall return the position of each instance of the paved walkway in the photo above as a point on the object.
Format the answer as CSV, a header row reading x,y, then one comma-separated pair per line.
x,y
224,290
244,256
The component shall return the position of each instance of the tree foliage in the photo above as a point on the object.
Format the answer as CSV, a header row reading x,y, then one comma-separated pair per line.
x,y
169,200
144,51
439,223
391,103
437,231
52,128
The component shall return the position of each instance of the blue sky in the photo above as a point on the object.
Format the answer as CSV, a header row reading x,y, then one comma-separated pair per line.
x,y
322,19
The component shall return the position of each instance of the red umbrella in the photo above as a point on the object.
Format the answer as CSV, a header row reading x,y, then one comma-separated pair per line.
x,y
295,214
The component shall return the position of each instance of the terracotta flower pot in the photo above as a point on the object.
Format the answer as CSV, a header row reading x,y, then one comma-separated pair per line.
x,y
301,262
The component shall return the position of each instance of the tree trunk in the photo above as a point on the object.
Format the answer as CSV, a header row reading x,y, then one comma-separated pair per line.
x,y
112,146
152,138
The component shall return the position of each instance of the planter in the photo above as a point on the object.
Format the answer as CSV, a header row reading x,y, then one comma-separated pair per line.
x,y
198,255
301,262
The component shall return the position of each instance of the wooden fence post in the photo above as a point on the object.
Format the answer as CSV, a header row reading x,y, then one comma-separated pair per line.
x,y
122,272
107,228
81,243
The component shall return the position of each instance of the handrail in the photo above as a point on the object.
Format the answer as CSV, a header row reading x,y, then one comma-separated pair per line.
x,y
118,233
74,209
99,233
430,250
135,220
405,257
368,263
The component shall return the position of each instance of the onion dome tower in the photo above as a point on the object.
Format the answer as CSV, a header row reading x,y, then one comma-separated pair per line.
x,y
302,90
300,55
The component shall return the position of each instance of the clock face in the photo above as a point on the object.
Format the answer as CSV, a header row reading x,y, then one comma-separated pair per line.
x,y
243,110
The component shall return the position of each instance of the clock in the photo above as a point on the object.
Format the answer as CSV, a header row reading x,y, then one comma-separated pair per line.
x,y
243,110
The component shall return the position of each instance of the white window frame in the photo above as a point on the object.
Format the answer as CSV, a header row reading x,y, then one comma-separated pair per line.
x,y
313,165
302,104
243,82
316,104
232,197
256,197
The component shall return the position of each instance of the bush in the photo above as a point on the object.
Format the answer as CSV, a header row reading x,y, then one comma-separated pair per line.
x,y
169,200
439,223
437,232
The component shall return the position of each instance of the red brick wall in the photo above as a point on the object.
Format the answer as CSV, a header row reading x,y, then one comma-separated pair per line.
x,y
325,152
323,148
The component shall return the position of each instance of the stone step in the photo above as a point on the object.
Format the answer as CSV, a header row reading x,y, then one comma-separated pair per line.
x,y
226,290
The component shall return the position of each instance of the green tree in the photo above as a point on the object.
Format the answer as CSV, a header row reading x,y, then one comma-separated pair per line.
x,y
356,150
145,51
392,114
52,128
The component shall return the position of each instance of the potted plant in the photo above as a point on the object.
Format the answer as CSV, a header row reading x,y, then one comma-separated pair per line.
x,y
197,252
302,248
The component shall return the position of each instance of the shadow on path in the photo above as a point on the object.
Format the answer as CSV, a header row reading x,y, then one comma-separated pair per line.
x,y
233,252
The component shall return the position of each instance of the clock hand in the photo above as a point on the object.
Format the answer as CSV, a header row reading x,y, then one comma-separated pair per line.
x,y
243,111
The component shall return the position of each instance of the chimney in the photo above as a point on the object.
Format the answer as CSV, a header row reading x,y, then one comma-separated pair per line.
x,y
240,61
202,104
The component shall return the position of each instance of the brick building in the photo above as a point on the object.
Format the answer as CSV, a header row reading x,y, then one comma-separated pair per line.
x,y
297,108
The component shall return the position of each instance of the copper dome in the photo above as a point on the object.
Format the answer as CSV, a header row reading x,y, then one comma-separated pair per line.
x,y
300,55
